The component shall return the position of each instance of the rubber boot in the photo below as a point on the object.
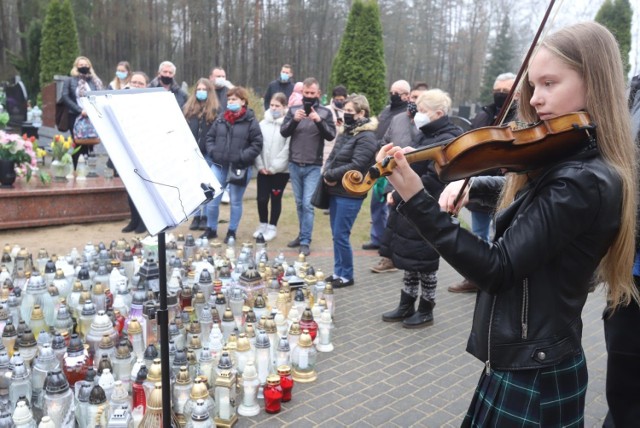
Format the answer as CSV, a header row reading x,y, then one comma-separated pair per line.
x,y
195,223
405,309
423,317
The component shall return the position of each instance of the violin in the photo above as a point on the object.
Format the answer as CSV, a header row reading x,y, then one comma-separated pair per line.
x,y
484,149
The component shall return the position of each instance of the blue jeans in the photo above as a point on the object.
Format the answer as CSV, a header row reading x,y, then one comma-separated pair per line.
x,y
379,216
236,193
304,180
342,214
480,224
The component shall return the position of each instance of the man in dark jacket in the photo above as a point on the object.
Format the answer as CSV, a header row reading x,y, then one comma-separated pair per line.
x,y
399,98
308,125
219,79
283,84
165,79
481,214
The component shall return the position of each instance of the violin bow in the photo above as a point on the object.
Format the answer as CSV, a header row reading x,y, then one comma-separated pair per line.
x,y
506,106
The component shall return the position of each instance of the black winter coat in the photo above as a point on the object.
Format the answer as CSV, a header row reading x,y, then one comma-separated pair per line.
x,y
400,241
199,128
534,277
238,144
351,152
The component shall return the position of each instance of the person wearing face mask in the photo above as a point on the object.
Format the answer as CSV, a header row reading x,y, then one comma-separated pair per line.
x,y
355,149
219,79
283,84
122,77
400,132
408,251
200,111
273,167
398,101
233,140
82,81
308,125
481,214
165,79
336,106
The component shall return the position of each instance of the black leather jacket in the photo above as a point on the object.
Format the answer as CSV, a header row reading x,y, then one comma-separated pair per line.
x,y
534,277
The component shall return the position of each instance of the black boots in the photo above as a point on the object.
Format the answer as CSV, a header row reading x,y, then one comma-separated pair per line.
x,y
195,223
423,317
404,310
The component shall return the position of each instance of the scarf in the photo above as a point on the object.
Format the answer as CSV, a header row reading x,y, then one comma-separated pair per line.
x,y
348,129
83,84
231,117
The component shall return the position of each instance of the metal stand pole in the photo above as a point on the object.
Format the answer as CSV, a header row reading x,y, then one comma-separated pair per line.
x,y
163,322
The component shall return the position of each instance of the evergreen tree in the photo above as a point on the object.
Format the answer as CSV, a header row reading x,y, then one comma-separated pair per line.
x,y
59,47
616,15
28,67
359,64
501,60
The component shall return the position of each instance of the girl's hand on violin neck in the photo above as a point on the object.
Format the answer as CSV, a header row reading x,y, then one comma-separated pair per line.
x,y
449,195
403,179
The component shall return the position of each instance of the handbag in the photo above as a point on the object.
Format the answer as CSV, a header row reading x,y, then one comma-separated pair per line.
x,y
84,133
320,198
237,176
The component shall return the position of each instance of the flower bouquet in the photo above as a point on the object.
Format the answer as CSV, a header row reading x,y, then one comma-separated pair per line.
x,y
61,151
19,157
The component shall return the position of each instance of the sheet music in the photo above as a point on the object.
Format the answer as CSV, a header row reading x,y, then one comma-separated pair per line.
x,y
149,140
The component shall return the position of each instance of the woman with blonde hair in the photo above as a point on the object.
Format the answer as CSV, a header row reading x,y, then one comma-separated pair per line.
x,y
200,110
558,228
82,81
123,76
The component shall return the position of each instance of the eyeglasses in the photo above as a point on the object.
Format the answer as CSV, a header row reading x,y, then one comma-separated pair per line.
x,y
398,93
501,91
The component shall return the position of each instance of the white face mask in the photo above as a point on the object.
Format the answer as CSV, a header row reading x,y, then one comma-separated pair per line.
x,y
421,119
220,82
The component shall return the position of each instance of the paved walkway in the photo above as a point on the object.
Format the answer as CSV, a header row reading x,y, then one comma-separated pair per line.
x,y
383,375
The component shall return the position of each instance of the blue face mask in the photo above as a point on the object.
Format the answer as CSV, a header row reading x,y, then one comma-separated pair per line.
x,y
201,95
276,113
284,77
121,75
233,107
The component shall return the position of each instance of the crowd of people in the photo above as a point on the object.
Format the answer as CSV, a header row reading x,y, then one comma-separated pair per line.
x,y
540,238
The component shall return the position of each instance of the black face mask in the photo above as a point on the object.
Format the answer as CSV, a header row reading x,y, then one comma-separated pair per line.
x,y
84,70
396,100
308,103
338,104
412,109
166,80
499,98
349,119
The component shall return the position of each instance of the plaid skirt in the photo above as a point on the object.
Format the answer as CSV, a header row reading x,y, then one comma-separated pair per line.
x,y
549,397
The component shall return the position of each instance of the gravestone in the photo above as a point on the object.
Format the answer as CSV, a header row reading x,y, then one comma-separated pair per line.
x,y
464,111
16,104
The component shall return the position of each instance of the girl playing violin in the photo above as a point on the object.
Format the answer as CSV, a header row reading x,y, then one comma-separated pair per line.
x,y
558,229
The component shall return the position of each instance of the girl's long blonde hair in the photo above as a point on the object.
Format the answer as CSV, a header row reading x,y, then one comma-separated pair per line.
x,y
207,109
592,51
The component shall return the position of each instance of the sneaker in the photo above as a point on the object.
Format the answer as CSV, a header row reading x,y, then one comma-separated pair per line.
x,y
304,249
384,265
295,243
195,223
225,197
230,234
260,230
330,278
270,233
341,283
370,246
209,234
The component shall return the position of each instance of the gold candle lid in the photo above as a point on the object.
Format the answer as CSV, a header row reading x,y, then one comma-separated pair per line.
x,y
270,326
59,274
77,285
37,313
106,342
98,288
135,327
305,339
228,315
200,297
243,343
284,370
273,379
155,371
199,389
183,376
155,399
295,329
195,342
